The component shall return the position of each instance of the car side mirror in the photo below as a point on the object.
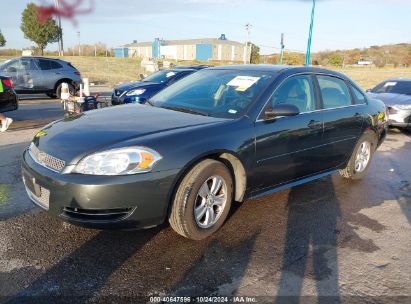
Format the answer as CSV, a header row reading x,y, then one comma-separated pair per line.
x,y
283,109
11,70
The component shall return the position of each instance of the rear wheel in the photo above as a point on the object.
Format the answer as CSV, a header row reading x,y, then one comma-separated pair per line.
x,y
361,157
58,90
202,201
51,95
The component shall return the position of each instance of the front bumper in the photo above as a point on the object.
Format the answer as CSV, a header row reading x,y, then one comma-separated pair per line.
x,y
133,201
399,118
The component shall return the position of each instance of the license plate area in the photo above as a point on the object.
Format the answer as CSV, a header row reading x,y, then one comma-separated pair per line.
x,y
38,194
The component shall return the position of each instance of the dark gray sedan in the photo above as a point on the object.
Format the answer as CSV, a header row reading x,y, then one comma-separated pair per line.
x,y
219,135
32,75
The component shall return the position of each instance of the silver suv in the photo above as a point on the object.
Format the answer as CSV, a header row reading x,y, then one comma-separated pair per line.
x,y
32,75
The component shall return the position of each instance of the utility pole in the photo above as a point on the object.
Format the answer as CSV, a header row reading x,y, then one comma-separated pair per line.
x,y
282,48
61,48
248,27
308,54
79,45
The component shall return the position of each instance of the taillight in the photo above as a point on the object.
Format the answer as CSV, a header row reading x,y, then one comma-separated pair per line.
x,y
8,82
77,73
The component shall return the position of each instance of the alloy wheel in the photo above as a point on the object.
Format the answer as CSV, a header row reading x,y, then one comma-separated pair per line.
x,y
210,201
363,157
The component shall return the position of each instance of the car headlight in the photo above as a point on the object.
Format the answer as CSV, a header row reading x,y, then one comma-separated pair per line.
x,y
135,92
123,161
402,107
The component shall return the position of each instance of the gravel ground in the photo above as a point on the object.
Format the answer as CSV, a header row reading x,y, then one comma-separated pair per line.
x,y
330,240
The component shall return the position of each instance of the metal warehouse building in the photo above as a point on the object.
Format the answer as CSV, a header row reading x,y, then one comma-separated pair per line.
x,y
206,49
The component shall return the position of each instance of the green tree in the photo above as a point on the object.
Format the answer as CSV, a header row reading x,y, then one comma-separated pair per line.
x,y
255,53
336,60
2,40
40,33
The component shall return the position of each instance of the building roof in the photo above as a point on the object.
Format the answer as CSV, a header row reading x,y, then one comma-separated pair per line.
x,y
188,42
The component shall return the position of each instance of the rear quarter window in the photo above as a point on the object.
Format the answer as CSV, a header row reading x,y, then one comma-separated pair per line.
x,y
359,97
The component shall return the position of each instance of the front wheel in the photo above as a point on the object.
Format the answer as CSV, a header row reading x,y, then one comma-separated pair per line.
x,y
361,157
202,201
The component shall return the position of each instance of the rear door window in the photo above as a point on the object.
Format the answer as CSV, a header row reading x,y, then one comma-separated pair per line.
x,y
45,64
55,65
334,92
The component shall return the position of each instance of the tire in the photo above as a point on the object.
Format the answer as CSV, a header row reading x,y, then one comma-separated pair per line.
x,y
58,90
354,170
51,95
187,199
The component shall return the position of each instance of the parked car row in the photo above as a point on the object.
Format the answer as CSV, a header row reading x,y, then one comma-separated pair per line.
x,y
32,75
217,136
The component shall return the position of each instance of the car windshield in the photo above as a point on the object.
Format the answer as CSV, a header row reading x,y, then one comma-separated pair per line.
x,y
217,93
161,76
396,87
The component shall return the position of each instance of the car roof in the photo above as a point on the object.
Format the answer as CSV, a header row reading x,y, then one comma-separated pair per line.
x,y
181,70
194,67
398,79
277,69
39,57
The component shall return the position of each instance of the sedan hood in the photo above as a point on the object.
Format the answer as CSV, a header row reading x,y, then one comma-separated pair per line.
x,y
391,99
134,85
74,137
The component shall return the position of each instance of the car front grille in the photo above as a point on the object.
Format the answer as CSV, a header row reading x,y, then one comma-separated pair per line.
x,y
45,159
96,215
43,200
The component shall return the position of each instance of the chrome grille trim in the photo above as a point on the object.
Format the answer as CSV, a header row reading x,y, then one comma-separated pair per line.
x,y
45,159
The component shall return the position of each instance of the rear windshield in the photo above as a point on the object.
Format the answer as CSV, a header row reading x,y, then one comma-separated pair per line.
x,y
396,87
162,76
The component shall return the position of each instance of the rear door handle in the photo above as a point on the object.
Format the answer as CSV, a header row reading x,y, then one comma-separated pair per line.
x,y
315,124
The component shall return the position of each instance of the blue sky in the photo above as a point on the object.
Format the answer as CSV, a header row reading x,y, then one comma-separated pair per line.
x,y
339,24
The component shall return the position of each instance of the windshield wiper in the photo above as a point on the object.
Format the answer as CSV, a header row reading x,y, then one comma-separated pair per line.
x,y
186,110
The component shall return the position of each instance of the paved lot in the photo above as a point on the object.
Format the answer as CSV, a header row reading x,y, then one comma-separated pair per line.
x,y
332,238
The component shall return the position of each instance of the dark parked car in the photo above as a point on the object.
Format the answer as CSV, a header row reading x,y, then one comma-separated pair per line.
x,y
8,97
396,94
220,135
38,75
140,91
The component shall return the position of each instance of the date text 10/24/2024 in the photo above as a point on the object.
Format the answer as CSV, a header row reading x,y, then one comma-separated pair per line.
x,y
205,299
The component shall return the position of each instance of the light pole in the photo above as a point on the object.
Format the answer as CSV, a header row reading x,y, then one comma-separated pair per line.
x,y
308,54
248,30
61,48
79,45
282,48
